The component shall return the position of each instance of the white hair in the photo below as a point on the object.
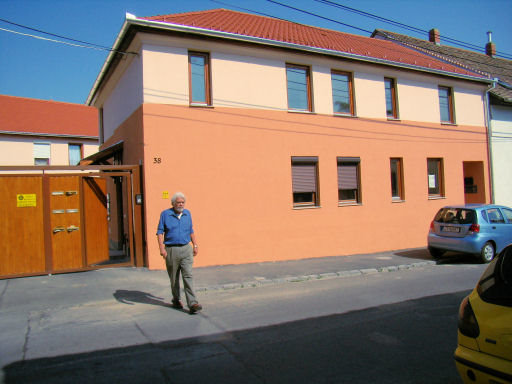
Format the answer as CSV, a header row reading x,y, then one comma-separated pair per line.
x,y
176,196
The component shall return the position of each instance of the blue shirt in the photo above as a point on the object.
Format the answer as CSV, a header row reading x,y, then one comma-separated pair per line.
x,y
177,230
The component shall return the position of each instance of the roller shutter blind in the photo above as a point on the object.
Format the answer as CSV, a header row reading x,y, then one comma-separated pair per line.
x,y
41,150
347,172
305,181
304,174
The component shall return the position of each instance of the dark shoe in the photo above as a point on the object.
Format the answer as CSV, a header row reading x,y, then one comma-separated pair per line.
x,y
195,308
177,304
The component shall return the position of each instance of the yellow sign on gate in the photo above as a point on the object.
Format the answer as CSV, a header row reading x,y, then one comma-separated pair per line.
x,y
24,200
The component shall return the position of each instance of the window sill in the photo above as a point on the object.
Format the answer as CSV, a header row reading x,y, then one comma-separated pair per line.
x,y
394,119
397,201
345,115
300,111
349,204
436,197
299,207
448,123
199,105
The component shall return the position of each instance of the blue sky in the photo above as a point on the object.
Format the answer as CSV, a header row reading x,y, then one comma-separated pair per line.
x,y
41,69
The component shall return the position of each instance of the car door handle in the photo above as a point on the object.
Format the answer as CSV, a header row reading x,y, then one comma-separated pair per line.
x,y
493,227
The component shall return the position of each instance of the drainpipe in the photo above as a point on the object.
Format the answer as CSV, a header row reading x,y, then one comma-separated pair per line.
x,y
487,110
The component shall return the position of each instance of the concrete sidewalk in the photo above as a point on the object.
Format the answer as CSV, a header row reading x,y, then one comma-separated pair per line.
x,y
256,274
93,285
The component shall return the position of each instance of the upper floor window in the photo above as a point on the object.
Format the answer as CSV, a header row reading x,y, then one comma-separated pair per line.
x,y
435,177
391,99
397,180
299,87
199,78
41,153
75,153
342,93
305,181
349,187
446,105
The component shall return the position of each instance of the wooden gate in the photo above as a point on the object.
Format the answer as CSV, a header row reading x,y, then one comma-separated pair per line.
x,y
54,223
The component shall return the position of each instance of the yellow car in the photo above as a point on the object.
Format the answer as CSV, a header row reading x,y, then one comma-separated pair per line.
x,y
484,351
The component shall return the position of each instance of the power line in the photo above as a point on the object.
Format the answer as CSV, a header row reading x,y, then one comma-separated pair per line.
x,y
402,25
82,44
51,40
52,34
314,14
246,9
380,18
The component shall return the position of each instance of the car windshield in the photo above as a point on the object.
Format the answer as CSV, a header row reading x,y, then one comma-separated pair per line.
x,y
495,285
456,216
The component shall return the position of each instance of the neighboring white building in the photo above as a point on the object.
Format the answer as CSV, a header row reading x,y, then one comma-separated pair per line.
x,y
501,146
40,132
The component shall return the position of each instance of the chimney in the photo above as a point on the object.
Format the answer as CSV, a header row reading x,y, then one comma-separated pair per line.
x,y
434,36
490,47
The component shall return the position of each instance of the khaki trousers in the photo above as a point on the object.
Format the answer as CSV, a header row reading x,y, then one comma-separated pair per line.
x,y
180,260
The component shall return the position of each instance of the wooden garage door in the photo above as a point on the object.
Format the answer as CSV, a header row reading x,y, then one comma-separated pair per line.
x,y
21,225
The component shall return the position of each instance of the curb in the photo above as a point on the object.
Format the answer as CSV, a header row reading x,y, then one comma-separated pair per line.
x,y
262,281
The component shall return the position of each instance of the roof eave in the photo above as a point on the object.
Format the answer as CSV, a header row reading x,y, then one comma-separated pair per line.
x,y
57,135
133,21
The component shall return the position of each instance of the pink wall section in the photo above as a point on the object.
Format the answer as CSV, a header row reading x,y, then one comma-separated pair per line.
x,y
234,165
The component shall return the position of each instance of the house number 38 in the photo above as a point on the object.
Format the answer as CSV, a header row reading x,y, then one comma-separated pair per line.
x,y
157,160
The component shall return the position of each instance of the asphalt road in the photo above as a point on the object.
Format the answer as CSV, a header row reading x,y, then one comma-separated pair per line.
x,y
394,327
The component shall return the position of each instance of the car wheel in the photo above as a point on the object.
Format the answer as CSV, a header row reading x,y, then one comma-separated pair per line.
x,y
487,252
435,252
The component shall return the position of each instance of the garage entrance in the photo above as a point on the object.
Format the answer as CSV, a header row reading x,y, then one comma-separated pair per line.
x,y
68,219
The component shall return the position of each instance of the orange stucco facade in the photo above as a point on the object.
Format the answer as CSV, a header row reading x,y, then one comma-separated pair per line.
x,y
233,158
234,165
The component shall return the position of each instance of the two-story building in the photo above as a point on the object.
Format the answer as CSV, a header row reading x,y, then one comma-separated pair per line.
x,y
41,132
290,141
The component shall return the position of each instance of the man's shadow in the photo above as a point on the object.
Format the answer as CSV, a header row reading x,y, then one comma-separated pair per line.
x,y
132,297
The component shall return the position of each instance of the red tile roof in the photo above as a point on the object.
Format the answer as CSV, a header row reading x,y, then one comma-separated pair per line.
x,y
22,115
286,31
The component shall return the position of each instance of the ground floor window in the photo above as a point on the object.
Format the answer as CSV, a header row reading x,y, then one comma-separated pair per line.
x,y
435,178
305,181
349,188
397,179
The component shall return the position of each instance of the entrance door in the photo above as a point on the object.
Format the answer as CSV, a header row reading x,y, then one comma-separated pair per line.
x,y
65,223
474,182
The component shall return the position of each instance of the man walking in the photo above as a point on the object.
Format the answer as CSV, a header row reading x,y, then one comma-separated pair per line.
x,y
175,233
